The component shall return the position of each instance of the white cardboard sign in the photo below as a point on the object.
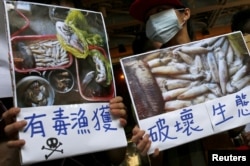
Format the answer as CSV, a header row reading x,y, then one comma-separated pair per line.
x,y
190,91
62,80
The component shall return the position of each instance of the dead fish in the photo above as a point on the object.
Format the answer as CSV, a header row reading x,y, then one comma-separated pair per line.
x,y
176,104
161,83
213,66
219,43
158,61
198,100
188,76
148,98
214,88
27,56
185,57
193,50
197,66
223,70
239,84
87,79
230,88
206,42
137,94
230,55
176,68
210,96
170,84
193,92
76,43
225,46
69,36
208,77
239,74
235,67
172,94
100,69
151,56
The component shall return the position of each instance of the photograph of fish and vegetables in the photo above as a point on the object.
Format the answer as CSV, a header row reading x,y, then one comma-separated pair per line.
x,y
173,78
58,55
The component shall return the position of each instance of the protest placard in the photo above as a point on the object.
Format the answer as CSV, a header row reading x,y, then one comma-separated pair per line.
x,y
62,81
190,91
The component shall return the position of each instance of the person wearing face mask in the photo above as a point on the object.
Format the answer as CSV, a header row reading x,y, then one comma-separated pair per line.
x,y
168,22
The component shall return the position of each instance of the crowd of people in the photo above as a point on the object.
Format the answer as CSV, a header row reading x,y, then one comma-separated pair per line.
x,y
167,23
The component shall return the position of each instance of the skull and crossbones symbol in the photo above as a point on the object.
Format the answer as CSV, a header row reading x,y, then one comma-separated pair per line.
x,y
53,146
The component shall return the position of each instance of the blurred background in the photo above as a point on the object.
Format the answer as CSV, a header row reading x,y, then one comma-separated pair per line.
x,y
209,18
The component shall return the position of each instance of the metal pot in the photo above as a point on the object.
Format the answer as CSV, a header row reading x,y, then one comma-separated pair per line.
x,y
33,91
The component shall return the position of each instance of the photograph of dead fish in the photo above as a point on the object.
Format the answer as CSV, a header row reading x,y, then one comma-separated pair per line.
x,y
174,78
58,55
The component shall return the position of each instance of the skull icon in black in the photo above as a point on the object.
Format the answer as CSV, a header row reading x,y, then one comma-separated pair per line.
x,y
53,145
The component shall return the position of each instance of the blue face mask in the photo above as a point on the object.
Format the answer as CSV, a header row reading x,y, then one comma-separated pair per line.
x,y
163,26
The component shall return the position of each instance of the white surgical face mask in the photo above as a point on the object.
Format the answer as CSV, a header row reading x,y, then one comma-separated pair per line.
x,y
163,26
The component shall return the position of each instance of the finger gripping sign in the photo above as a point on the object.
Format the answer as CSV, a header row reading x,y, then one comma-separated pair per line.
x,y
62,81
190,91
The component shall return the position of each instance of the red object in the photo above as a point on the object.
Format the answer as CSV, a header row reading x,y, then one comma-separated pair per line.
x,y
32,39
139,8
243,147
79,73
26,25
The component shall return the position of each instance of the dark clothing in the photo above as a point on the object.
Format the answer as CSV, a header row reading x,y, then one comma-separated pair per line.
x,y
190,154
95,159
